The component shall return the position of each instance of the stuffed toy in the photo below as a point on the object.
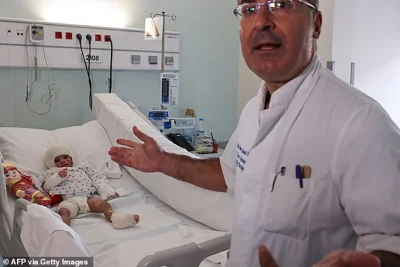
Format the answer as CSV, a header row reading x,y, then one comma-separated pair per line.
x,y
22,186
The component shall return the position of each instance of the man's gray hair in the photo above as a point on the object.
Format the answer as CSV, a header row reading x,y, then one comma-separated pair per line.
x,y
314,3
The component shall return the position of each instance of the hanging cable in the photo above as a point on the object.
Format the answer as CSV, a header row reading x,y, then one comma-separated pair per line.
x,y
108,39
89,38
79,37
51,86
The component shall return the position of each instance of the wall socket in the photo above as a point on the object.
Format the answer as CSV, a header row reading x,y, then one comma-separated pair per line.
x,y
20,32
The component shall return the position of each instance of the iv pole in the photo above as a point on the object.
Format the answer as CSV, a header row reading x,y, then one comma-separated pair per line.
x,y
173,17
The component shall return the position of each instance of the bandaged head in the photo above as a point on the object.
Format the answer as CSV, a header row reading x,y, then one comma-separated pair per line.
x,y
56,151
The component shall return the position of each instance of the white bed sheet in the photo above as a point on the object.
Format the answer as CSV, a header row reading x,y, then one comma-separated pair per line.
x,y
161,227
127,181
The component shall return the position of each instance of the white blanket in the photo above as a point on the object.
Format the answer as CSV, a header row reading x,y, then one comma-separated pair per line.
x,y
43,232
155,232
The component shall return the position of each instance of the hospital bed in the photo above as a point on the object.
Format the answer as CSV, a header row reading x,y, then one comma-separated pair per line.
x,y
172,234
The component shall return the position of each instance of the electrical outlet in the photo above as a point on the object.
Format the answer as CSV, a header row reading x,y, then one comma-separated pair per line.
x,y
20,33
58,35
68,35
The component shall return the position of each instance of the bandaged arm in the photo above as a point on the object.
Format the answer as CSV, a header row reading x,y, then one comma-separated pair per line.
x,y
53,181
47,180
100,181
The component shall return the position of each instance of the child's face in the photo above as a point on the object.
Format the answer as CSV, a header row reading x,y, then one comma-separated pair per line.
x,y
63,161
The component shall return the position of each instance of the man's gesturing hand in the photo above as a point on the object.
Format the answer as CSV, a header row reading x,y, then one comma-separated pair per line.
x,y
145,157
265,257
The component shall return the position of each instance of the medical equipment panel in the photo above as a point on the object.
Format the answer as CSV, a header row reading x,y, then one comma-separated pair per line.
x,y
169,89
56,46
159,118
36,33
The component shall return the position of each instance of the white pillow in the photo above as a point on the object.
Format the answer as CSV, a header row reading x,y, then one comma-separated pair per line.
x,y
27,147
213,209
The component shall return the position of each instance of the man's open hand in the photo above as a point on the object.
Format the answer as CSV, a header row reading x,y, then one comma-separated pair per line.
x,y
342,258
349,258
265,257
145,156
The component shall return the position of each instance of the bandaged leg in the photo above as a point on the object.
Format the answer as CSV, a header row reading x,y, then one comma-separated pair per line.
x,y
119,220
67,210
124,220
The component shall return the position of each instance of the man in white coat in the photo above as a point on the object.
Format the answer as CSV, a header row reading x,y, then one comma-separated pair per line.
x,y
314,164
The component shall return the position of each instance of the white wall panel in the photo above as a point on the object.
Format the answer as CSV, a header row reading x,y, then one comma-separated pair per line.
x,y
65,53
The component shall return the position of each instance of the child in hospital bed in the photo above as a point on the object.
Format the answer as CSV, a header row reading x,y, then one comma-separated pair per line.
x,y
76,185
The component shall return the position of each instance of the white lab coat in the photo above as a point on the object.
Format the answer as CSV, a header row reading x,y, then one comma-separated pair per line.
x,y
352,200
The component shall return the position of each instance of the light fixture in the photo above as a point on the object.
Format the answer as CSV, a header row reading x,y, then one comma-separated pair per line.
x,y
87,12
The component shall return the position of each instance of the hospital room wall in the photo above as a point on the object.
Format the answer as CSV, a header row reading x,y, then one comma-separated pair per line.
x,y
209,63
249,83
367,35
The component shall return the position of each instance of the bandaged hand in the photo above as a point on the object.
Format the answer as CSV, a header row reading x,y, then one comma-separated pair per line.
x,y
63,173
106,192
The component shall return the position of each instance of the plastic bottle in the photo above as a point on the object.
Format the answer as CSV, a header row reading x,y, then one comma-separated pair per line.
x,y
200,127
200,131
189,135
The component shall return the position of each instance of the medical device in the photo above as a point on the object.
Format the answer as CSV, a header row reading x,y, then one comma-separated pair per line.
x,y
169,89
36,33
159,118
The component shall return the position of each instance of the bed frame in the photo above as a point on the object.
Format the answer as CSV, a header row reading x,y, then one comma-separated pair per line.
x,y
11,244
190,255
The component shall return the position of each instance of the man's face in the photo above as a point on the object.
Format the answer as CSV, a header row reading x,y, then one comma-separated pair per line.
x,y
277,47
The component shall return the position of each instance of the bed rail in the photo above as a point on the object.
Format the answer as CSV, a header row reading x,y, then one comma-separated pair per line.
x,y
190,255
5,213
16,243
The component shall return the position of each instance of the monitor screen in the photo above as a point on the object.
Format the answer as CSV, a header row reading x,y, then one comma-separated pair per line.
x,y
165,87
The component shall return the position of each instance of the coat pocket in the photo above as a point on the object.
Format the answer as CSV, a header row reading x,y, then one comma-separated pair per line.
x,y
287,207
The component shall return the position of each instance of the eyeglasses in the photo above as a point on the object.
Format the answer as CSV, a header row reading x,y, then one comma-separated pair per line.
x,y
277,7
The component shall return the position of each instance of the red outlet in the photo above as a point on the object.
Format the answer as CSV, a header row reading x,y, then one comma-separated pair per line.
x,y
107,38
97,37
58,35
68,35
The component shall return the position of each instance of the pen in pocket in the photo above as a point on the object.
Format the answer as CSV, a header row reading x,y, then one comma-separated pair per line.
x,y
299,175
